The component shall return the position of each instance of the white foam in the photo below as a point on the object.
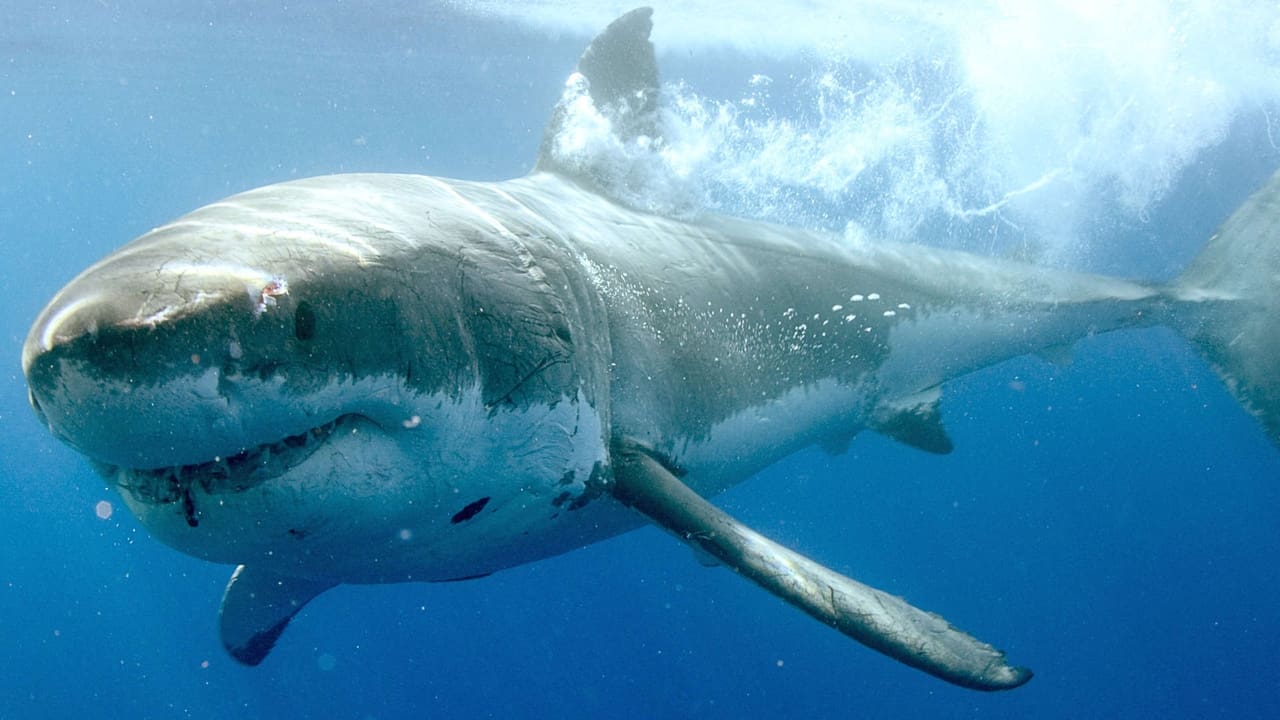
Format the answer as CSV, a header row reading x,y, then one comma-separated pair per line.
x,y
963,122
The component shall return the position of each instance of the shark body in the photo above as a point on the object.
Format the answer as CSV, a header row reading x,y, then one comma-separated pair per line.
x,y
380,378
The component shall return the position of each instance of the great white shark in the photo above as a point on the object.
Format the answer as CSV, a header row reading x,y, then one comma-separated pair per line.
x,y
374,378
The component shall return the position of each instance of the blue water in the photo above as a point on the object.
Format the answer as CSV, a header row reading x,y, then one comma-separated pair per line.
x,y
1112,523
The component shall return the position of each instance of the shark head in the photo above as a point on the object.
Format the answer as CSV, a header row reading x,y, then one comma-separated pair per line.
x,y
397,362
278,366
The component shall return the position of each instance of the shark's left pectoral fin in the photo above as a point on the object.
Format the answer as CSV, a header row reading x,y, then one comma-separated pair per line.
x,y
914,421
257,606
876,619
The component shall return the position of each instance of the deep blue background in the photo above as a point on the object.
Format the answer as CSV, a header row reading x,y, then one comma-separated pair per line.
x,y
1113,523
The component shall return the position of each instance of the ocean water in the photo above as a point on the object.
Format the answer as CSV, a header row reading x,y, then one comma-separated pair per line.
x,y
1112,523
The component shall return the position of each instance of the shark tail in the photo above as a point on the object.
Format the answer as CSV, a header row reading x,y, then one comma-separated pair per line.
x,y
1230,304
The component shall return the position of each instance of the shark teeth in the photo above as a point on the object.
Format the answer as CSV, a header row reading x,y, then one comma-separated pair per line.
x,y
233,473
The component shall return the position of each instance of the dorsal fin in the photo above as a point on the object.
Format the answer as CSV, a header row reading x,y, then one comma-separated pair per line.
x,y
618,77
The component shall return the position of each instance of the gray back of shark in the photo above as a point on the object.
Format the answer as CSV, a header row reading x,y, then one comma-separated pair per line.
x,y
389,378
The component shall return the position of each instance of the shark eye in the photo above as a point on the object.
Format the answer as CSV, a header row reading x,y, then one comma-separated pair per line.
x,y
304,321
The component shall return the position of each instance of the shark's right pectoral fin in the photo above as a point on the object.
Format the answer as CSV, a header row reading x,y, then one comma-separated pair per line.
x,y
257,606
876,619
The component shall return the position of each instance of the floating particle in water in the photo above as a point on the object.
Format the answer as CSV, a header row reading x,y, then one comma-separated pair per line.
x,y
103,510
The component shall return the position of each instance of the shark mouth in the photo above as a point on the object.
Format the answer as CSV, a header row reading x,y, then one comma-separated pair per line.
x,y
231,474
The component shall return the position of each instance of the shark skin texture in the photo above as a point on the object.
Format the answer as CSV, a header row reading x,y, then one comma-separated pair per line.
x,y
379,378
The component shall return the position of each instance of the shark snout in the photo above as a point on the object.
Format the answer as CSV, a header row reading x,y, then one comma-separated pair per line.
x,y
199,381
134,377
127,414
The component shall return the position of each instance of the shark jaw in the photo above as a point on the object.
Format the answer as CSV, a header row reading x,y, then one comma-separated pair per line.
x,y
230,474
430,487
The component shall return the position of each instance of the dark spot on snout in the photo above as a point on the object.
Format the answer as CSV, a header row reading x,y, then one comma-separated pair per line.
x,y
470,511
304,321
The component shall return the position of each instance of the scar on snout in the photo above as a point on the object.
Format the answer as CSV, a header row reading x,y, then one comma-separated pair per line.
x,y
276,287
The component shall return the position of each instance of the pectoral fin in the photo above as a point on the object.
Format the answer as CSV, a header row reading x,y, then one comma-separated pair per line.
x,y
915,421
256,608
876,619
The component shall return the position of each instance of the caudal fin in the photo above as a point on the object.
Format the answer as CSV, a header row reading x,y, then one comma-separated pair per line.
x,y
1232,304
